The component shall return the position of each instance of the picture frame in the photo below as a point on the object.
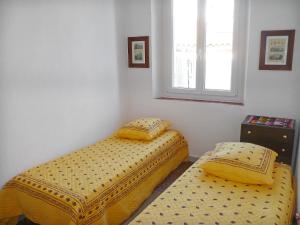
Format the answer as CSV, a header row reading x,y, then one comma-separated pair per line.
x,y
276,50
138,52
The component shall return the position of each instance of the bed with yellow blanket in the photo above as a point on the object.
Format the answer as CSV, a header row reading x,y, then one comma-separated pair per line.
x,y
198,198
100,184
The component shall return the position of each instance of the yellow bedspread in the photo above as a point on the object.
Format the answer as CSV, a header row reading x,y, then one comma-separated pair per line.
x,y
197,198
95,185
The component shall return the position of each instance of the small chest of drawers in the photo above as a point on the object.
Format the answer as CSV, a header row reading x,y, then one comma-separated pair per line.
x,y
277,138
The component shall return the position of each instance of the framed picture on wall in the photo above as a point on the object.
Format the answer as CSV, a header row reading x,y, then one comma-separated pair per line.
x,y
276,50
138,52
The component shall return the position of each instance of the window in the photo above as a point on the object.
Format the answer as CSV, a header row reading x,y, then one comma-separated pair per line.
x,y
184,44
205,42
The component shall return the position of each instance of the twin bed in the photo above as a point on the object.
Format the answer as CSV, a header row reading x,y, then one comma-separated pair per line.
x,y
103,184
197,198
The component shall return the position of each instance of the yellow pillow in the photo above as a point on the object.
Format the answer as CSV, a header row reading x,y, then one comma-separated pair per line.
x,y
242,162
143,129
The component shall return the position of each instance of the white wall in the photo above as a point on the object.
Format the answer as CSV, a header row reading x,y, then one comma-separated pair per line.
x,y
274,93
58,79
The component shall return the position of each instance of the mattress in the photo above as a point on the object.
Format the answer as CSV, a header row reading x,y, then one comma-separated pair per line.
x,y
94,185
198,198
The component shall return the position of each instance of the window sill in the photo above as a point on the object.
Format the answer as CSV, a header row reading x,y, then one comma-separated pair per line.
x,y
198,100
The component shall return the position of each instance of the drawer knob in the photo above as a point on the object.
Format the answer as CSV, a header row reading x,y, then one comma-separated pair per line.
x,y
249,132
283,150
284,136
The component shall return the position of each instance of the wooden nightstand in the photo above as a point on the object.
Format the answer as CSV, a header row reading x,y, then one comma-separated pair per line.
x,y
276,137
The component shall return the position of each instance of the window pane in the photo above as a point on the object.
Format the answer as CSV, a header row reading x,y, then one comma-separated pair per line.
x,y
219,38
185,43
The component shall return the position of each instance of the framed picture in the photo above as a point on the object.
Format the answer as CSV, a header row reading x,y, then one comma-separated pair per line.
x,y
276,50
138,52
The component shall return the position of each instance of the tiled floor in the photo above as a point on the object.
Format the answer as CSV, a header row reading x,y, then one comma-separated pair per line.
x,y
169,180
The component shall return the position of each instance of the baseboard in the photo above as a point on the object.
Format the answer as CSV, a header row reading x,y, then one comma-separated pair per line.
x,y
193,159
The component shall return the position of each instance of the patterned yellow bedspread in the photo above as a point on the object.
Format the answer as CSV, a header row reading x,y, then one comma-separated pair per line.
x,y
196,198
78,187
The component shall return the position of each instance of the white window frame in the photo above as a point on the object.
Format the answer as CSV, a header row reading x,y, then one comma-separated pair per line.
x,y
164,32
